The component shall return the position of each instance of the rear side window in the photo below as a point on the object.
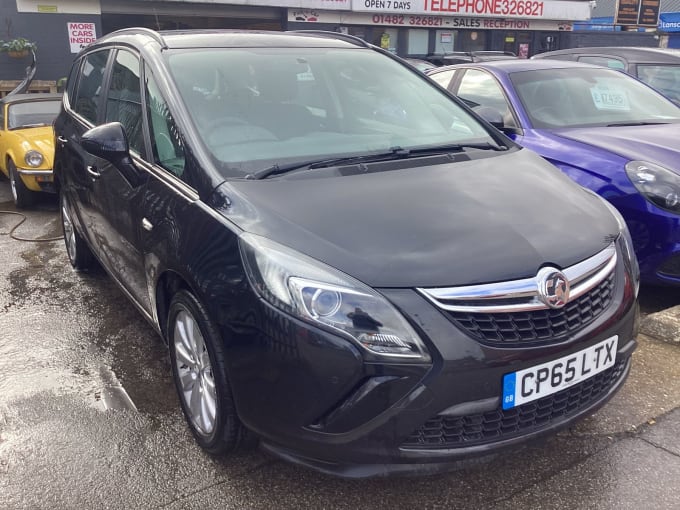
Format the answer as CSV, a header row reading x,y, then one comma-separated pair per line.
x,y
89,90
443,78
124,99
663,77
610,62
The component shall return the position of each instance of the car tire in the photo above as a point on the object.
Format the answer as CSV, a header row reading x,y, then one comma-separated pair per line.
x,y
199,371
23,197
79,253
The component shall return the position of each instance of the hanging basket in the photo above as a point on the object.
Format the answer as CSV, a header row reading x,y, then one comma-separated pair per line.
x,y
18,54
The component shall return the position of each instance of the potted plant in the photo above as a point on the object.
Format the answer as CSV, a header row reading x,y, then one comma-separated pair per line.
x,y
18,47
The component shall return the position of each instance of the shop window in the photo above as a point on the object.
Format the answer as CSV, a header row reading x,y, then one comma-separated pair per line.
x,y
386,39
475,40
417,42
444,41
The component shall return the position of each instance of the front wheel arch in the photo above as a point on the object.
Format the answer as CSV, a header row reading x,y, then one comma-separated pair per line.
x,y
22,196
169,284
192,339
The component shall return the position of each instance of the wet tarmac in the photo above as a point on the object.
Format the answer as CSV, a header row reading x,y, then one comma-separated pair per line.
x,y
89,417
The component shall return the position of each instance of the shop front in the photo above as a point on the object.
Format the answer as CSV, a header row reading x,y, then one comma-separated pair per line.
x,y
172,15
414,28
418,35
669,22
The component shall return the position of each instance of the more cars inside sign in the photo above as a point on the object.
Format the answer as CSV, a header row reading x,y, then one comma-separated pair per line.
x,y
80,35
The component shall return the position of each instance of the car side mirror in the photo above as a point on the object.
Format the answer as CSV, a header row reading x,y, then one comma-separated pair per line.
x,y
491,115
107,141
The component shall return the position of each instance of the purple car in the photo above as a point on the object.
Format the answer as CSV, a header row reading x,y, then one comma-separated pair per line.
x,y
606,130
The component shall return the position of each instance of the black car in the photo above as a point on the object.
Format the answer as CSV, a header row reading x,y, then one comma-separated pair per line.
x,y
657,67
345,262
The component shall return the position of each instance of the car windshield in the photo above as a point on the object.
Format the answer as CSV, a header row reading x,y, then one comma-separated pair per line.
x,y
32,114
663,77
576,97
257,107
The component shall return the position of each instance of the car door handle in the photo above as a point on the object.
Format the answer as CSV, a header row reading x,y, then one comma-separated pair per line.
x,y
92,170
62,140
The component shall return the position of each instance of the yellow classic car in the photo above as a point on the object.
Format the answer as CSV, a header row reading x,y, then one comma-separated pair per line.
x,y
27,144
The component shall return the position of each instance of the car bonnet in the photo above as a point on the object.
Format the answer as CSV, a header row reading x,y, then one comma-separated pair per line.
x,y
38,138
654,143
492,219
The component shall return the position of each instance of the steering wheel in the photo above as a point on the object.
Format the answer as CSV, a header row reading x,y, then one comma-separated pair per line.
x,y
224,122
235,130
546,114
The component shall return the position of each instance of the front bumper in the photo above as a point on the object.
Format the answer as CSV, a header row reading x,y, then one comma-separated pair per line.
x,y
38,180
656,239
427,460
313,400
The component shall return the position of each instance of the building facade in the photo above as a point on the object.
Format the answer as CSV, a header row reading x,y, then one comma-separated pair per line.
x,y
665,34
407,27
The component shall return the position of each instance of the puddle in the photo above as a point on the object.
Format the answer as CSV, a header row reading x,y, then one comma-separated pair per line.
x,y
64,326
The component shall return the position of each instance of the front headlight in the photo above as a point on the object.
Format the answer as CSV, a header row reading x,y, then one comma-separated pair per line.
x,y
326,297
625,243
33,158
657,184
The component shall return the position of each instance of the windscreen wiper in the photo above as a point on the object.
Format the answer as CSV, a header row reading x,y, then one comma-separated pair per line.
x,y
633,123
393,153
455,147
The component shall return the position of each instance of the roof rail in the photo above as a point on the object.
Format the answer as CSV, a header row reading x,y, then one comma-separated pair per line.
x,y
493,52
142,30
334,35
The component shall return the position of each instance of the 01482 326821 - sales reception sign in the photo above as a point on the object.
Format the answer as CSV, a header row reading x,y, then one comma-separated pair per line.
x,y
545,9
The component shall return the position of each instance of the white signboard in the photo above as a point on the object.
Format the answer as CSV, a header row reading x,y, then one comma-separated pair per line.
x,y
419,21
80,35
344,5
59,6
527,9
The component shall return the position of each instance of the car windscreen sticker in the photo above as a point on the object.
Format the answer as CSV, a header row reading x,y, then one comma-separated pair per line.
x,y
609,98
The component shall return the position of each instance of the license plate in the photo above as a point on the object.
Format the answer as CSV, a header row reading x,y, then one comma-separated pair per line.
x,y
542,380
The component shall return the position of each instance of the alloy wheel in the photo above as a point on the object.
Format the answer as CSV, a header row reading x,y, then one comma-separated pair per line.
x,y
69,231
195,373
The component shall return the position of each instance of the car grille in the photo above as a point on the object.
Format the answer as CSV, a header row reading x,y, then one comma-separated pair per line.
x,y
538,325
518,312
443,432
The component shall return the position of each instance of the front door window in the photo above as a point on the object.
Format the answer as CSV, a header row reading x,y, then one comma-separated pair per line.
x,y
482,89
